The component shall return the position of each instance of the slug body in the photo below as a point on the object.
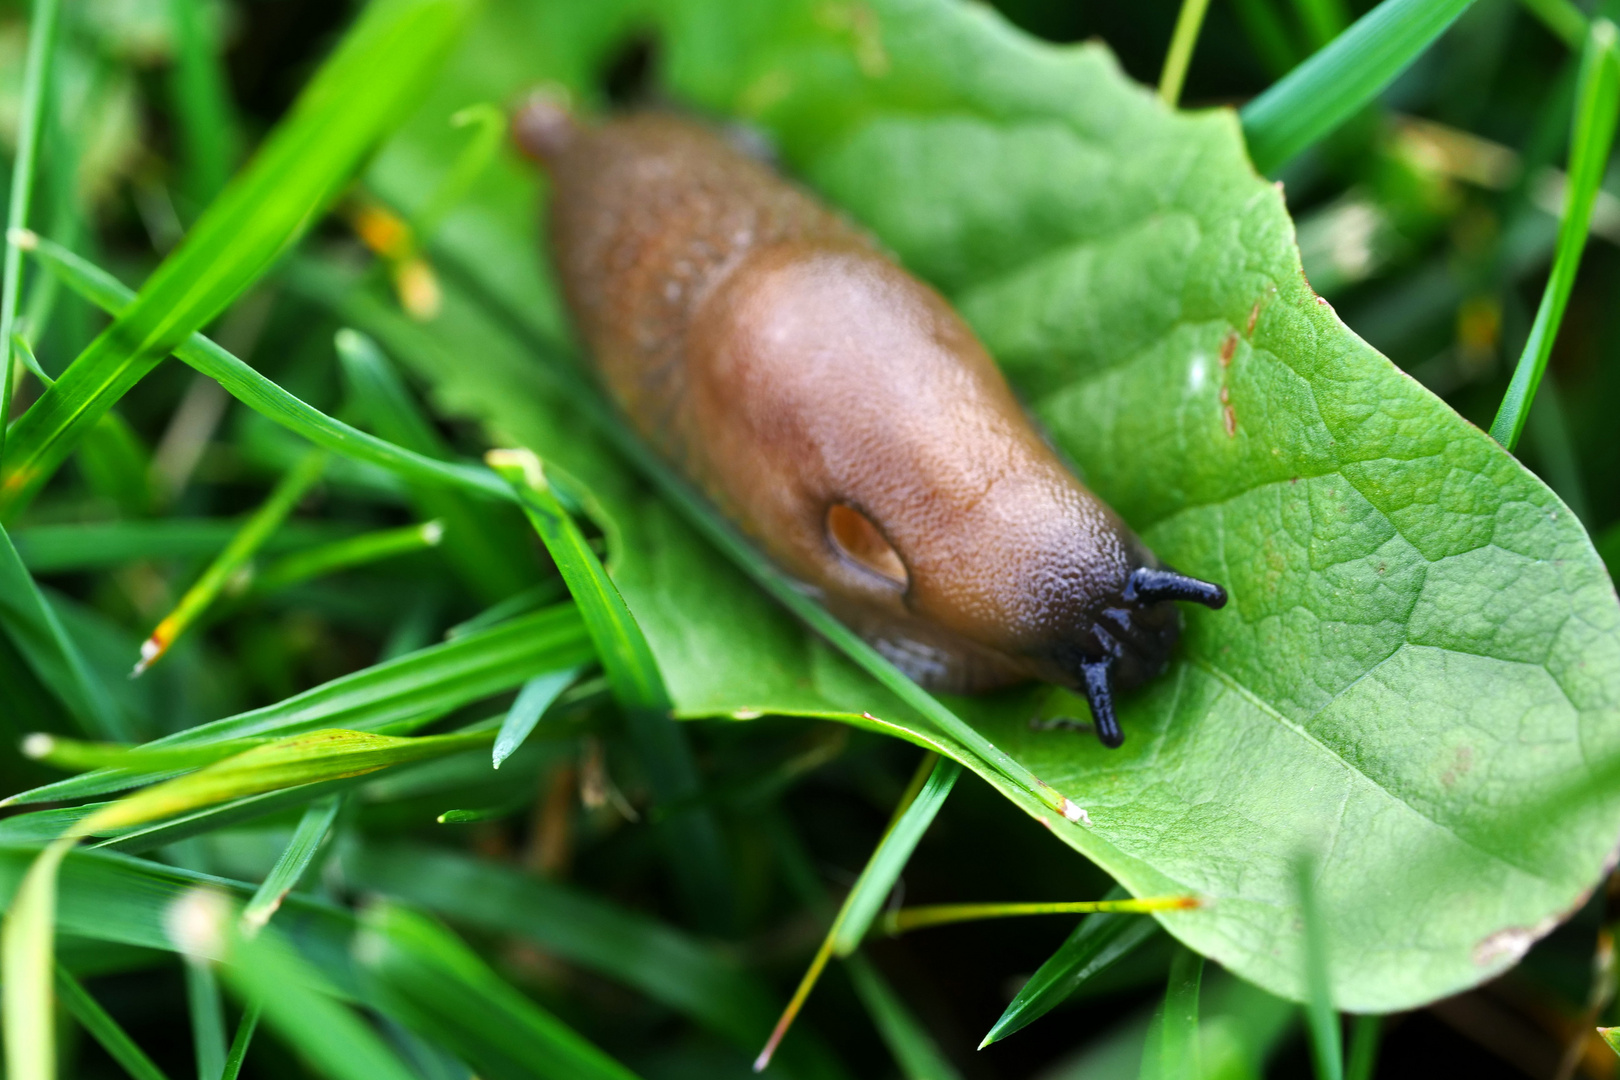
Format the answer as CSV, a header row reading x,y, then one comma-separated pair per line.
x,y
843,415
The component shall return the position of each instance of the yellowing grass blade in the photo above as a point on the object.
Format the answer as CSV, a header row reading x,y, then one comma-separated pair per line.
x,y
235,558
301,759
26,970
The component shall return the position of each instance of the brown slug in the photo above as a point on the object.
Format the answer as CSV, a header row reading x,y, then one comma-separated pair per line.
x,y
842,414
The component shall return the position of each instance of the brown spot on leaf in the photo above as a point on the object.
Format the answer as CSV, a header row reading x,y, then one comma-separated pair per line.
x,y
1230,419
1254,316
1228,347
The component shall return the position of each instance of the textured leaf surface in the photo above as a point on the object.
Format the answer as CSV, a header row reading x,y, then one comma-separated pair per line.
x,y
1423,650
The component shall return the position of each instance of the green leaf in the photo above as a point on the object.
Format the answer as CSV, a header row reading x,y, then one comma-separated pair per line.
x,y
484,1022
297,1000
241,1040
1322,1019
255,530
883,869
1597,97
346,554
201,100
486,544
31,111
356,98
283,877
47,549
1095,945
1364,1038
104,1029
408,691
32,625
665,964
265,397
1422,646
1171,1052
691,838
533,700
206,1007
915,1051
1332,86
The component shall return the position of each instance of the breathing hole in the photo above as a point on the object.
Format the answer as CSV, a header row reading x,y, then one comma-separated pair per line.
x,y
859,541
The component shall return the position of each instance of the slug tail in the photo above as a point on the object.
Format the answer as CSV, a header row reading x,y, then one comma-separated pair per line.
x,y
1150,586
1099,688
543,126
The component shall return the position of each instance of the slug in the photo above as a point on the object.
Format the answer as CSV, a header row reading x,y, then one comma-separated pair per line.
x,y
843,415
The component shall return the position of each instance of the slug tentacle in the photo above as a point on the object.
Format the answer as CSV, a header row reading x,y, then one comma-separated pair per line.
x,y
1099,689
844,415
1149,585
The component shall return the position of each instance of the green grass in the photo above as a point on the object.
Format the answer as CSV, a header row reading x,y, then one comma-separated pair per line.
x,y
483,745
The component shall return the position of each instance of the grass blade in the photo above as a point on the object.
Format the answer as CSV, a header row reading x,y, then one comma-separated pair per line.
x,y
1095,945
283,498
627,659
926,915
42,25
933,780
201,101
347,554
1326,90
1321,1019
32,625
207,1011
911,819
105,545
486,544
26,948
269,972
1179,55
408,691
669,966
1323,20
1171,1052
1364,1037
691,838
239,1044
532,702
104,1029
913,1048
25,353
1597,98
283,877
284,763
78,756
263,396
443,990
356,98
1564,19
488,123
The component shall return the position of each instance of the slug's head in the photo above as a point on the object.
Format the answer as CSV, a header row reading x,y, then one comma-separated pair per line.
x,y
1128,640
543,126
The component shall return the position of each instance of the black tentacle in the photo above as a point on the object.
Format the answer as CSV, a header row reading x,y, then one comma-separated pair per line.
x,y
1151,586
1099,675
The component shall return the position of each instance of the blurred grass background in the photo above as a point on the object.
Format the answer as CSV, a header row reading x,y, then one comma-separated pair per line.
x,y
1429,223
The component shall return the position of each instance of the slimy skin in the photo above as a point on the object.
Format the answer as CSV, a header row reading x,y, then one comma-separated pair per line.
x,y
843,415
